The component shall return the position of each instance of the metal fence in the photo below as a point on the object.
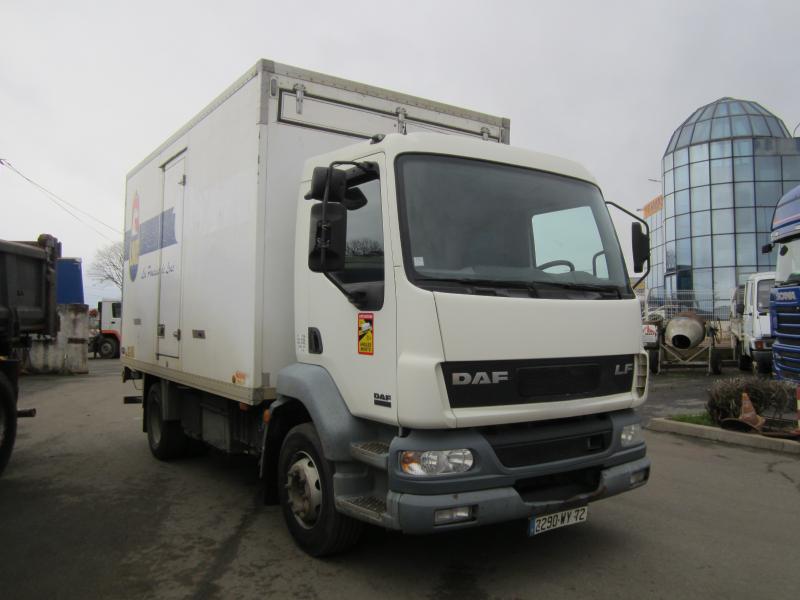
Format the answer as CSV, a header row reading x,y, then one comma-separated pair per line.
x,y
658,304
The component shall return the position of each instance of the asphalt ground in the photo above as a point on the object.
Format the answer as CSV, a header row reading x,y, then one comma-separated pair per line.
x,y
86,512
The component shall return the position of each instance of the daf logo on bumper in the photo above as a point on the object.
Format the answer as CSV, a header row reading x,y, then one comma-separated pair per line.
x,y
480,378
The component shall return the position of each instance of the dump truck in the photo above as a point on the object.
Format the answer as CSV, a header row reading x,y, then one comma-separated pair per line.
x,y
408,322
27,307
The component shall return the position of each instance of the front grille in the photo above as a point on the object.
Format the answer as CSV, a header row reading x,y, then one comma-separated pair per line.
x,y
504,382
787,330
528,444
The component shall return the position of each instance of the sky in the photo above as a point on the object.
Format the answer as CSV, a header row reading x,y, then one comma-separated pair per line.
x,y
88,89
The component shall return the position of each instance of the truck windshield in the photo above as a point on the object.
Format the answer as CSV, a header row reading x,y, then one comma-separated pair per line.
x,y
466,220
787,267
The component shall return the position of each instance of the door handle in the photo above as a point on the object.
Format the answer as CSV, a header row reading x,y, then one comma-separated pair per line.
x,y
177,334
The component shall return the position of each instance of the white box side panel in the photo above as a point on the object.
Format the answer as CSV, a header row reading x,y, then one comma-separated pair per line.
x,y
288,149
218,236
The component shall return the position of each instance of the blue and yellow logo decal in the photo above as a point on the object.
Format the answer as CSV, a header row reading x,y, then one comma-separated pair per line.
x,y
148,236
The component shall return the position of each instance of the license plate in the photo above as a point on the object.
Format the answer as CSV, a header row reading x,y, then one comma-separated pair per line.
x,y
544,523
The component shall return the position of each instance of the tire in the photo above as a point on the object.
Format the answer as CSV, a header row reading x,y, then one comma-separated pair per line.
x,y
8,420
715,361
762,367
653,360
305,485
108,347
743,361
165,438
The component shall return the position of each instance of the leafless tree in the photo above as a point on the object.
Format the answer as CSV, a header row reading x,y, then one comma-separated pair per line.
x,y
108,264
364,247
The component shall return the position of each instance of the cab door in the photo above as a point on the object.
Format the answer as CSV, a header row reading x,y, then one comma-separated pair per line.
x,y
358,346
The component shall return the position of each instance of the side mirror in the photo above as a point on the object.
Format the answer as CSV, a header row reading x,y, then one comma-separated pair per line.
x,y
640,242
766,248
327,238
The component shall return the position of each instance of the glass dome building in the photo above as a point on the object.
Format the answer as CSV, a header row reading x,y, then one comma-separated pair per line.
x,y
724,170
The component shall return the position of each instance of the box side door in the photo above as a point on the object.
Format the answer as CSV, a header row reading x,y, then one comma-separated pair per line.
x,y
169,272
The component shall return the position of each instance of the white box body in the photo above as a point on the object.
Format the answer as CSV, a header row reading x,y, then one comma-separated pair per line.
x,y
210,222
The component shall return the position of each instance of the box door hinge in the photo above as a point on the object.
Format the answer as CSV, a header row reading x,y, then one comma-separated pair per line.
x,y
485,133
401,119
182,180
177,334
300,92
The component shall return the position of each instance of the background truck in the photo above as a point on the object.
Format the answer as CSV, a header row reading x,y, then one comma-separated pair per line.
x,y
408,322
27,307
751,338
106,334
785,295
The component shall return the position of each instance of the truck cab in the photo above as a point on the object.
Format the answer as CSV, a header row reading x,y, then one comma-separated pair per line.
x,y
785,296
106,338
751,337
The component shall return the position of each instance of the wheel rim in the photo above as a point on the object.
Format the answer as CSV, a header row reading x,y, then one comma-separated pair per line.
x,y
105,348
154,424
304,490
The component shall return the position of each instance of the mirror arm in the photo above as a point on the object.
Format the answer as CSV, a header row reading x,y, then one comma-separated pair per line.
x,y
647,231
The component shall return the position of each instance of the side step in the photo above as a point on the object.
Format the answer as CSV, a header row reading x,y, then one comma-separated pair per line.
x,y
375,454
364,508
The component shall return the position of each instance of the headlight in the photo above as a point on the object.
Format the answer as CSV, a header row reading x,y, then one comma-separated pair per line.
x,y
631,435
436,462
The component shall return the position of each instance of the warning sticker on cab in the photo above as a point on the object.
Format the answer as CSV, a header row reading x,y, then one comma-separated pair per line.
x,y
366,333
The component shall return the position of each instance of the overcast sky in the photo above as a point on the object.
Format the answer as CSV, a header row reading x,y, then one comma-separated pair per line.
x,y
88,89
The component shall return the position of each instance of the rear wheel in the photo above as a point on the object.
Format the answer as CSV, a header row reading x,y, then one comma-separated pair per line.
x,y
742,360
8,420
108,347
654,361
305,485
715,361
763,366
165,438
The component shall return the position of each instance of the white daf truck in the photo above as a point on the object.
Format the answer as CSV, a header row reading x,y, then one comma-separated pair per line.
x,y
409,322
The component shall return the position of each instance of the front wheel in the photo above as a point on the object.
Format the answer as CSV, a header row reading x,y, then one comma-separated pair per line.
x,y
108,347
8,421
305,485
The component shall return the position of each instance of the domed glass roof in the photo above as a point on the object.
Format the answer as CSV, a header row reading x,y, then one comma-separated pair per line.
x,y
724,119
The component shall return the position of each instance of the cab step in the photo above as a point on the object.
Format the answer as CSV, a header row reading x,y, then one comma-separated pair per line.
x,y
369,508
375,454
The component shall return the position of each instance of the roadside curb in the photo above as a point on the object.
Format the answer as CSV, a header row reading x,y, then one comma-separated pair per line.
x,y
721,435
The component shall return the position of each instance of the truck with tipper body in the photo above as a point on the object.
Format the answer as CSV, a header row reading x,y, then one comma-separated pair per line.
x,y
751,337
410,323
27,308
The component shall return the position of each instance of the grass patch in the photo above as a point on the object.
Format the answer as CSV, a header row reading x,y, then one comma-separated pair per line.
x,y
696,419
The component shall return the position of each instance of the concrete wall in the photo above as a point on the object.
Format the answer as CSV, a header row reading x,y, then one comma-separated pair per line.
x,y
68,353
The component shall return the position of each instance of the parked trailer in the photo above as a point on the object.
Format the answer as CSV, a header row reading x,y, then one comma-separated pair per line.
x,y
27,307
394,322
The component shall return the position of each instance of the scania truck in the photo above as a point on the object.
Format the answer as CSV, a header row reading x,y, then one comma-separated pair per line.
x,y
410,323
785,296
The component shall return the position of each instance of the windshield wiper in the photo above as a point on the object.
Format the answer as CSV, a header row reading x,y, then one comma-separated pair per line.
x,y
588,287
493,283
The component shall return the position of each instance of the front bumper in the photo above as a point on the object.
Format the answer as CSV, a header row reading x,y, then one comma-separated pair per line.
x,y
520,471
415,513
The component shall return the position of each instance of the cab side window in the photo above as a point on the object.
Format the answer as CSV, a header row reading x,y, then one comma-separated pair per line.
x,y
363,273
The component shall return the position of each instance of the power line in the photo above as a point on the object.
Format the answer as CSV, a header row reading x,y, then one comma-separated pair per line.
x,y
63,204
